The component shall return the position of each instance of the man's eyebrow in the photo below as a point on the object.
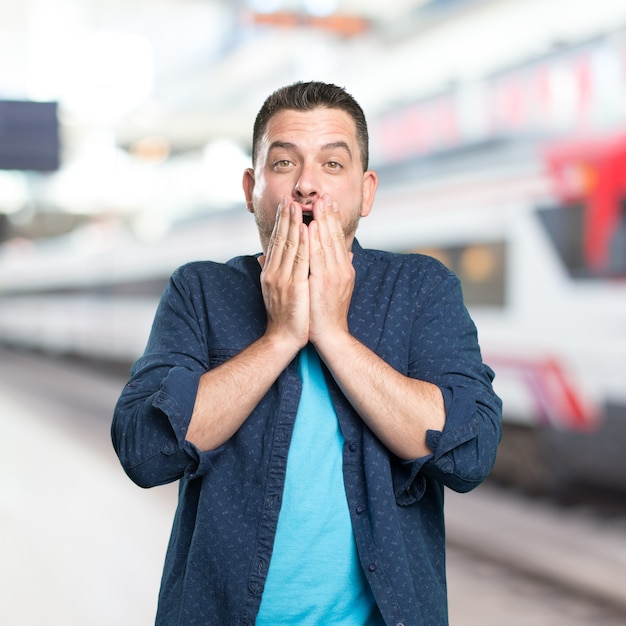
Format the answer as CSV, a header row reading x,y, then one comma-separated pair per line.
x,y
284,145
333,145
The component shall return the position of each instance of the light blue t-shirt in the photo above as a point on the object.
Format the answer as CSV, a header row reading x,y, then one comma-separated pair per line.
x,y
314,577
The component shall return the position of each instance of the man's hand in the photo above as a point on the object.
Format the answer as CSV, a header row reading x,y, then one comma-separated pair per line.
x,y
308,277
331,280
285,277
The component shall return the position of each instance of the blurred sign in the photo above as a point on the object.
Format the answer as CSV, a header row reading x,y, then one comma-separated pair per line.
x,y
29,136
345,25
580,91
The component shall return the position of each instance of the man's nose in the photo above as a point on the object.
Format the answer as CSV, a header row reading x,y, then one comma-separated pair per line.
x,y
307,184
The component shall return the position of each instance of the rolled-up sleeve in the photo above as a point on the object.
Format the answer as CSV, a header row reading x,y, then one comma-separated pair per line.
x,y
153,412
446,352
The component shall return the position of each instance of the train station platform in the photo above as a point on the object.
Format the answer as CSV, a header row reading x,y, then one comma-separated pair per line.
x,y
80,544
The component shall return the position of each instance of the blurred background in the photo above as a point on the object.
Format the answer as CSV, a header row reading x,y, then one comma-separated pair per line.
x,y
498,129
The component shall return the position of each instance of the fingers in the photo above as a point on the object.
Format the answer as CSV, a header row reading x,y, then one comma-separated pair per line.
x,y
284,277
301,259
293,245
285,241
287,257
327,237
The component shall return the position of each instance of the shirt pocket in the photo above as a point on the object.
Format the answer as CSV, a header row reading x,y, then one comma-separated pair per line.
x,y
217,356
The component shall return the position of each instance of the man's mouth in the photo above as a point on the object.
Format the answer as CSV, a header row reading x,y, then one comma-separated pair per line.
x,y
307,217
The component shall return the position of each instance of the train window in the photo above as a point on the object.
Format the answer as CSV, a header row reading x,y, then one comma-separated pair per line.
x,y
564,227
481,268
617,247
589,246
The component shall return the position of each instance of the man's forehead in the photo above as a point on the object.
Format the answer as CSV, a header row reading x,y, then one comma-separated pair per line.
x,y
324,127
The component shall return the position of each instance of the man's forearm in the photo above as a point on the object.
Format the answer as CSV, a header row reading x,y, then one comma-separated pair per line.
x,y
229,393
398,409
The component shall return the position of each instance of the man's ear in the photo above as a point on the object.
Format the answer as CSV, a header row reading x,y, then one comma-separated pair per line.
x,y
370,183
248,187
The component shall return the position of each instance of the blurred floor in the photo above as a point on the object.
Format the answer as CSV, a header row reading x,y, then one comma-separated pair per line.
x,y
80,544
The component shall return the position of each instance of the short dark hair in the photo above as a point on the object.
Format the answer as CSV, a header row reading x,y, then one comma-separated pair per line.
x,y
307,96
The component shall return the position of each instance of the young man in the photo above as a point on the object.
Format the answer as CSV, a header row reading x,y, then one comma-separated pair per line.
x,y
313,401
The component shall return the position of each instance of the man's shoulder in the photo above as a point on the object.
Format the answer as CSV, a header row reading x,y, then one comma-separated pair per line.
x,y
413,261
208,274
237,265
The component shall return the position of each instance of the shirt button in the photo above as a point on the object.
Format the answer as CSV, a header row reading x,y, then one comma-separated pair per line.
x,y
447,465
360,510
353,447
372,567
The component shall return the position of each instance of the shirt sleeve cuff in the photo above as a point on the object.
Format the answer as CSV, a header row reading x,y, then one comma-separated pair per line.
x,y
176,399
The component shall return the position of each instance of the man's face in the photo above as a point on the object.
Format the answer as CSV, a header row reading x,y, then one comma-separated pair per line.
x,y
302,155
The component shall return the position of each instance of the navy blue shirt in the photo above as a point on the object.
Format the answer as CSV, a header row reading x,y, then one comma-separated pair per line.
x,y
409,310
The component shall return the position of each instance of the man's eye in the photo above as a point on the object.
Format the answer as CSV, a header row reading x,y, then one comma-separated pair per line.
x,y
282,163
333,165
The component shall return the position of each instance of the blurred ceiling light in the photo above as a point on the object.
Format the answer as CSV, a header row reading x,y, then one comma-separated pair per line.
x,y
152,150
107,75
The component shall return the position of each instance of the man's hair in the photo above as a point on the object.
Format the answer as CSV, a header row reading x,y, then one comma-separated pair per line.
x,y
303,96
